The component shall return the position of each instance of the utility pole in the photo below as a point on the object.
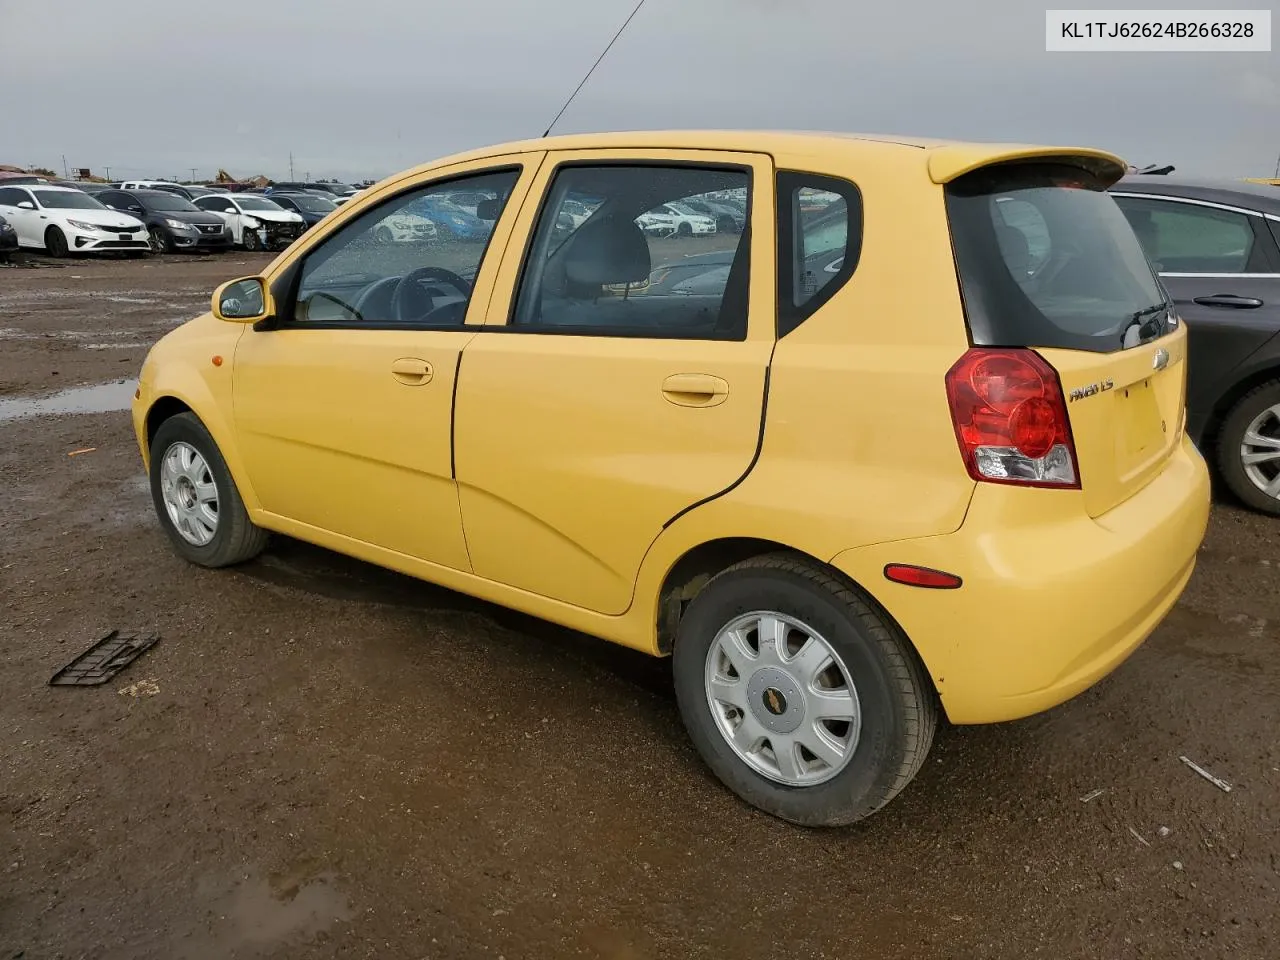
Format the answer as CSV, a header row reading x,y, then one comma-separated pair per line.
x,y
66,171
1278,166
108,169
193,174
290,164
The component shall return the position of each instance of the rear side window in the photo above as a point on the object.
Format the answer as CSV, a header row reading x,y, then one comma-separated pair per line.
x,y
819,240
1046,259
1189,238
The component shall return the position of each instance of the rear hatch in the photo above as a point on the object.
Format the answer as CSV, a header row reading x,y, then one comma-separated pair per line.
x,y
1047,261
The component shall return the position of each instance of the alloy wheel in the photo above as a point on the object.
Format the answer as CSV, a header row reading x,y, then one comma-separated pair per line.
x,y
1260,451
189,493
782,698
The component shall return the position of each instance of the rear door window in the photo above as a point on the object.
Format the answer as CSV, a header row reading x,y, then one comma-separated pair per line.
x,y
635,261
1191,238
1047,259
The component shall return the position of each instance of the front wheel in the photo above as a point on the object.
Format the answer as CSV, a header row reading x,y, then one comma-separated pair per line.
x,y
196,499
55,242
1249,449
802,698
159,240
250,240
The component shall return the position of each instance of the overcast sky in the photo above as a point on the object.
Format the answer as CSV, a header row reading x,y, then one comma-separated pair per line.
x,y
363,89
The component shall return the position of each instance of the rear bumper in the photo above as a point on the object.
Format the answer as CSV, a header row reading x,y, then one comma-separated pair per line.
x,y
1052,600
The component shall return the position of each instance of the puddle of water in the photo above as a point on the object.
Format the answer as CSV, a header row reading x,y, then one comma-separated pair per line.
x,y
255,915
261,916
99,398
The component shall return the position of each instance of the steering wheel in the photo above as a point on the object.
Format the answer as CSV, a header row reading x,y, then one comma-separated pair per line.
x,y
412,304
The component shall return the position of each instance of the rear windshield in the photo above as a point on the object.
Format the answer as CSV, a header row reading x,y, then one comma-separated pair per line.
x,y
1046,259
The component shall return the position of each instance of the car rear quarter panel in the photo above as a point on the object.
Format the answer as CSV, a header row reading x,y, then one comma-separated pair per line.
x,y
858,444
1212,402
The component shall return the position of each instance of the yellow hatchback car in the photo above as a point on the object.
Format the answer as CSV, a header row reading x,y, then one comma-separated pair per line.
x,y
855,429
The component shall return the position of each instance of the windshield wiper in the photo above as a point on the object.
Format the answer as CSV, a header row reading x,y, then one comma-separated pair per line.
x,y
1147,329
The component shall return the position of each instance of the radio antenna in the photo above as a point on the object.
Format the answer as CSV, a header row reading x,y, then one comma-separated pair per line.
x,y
593,68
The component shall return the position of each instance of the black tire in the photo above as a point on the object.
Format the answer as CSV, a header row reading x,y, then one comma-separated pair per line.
x,y
250,240
382,235
1229,440
160,240
684,230
896,696
55,242
235,538
726,224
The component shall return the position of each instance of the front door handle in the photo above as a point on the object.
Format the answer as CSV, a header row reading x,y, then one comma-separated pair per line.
x,y
695,390
411,371
1229,300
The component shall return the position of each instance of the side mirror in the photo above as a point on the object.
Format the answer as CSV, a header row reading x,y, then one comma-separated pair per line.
x,y
26,205
246,300
488,209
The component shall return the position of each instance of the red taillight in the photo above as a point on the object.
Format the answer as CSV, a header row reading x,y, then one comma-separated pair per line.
x,y
1011,419
914,576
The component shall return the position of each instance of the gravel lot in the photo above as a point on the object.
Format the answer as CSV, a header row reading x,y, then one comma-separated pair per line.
x,y
336,761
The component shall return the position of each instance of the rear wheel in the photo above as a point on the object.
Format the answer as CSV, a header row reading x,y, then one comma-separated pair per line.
x,y
196,499
1248,449
684,230
726,224
382,235
55,242
802,698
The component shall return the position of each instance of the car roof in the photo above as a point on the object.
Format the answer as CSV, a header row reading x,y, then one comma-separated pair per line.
x,y
51,187
946,159
1237,193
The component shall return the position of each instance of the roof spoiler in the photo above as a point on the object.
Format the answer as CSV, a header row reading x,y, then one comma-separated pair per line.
x,y
948,162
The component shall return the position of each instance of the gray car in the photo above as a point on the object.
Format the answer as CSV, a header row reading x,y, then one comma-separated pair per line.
x,y
1216,247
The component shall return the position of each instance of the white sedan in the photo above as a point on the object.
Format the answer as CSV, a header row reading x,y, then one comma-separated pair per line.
x,y
256,223
676,220
64,220
404,227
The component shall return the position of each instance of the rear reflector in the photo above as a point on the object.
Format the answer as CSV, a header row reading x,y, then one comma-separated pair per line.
x,y
914,576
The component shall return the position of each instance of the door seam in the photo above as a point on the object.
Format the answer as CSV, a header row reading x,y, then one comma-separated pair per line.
x,y
755,457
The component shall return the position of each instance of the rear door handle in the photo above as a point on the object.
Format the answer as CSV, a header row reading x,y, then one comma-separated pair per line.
x,y
1229,300
412,371
695,390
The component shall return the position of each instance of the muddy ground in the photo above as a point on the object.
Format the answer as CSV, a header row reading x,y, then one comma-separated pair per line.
x,y
321,759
